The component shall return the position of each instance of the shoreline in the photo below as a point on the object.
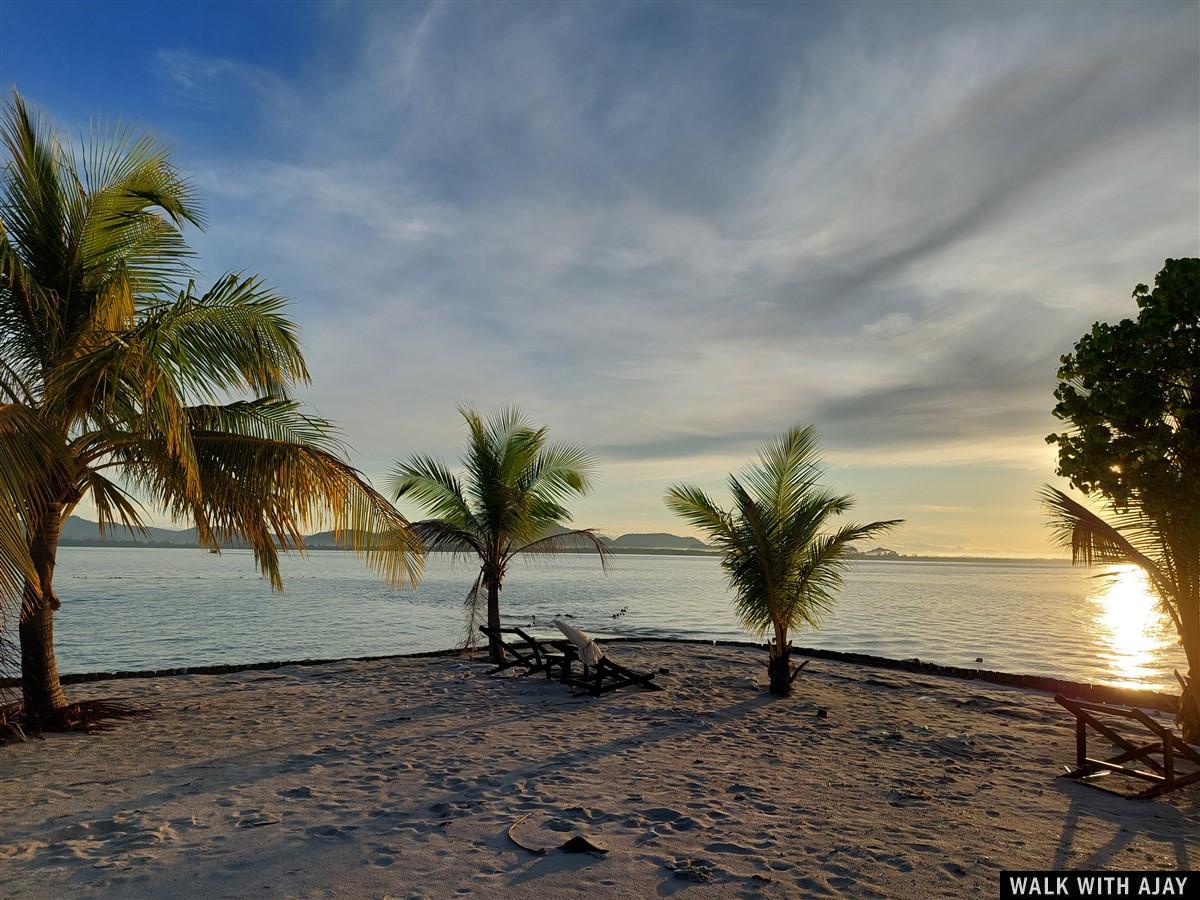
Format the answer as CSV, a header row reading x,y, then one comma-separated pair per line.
x,y
1103,693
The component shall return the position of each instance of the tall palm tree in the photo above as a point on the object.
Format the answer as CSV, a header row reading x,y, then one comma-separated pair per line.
x,y
783,565
508,502
1165,544
117,383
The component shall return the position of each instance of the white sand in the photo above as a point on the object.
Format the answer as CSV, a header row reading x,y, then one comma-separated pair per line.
x,y
399,778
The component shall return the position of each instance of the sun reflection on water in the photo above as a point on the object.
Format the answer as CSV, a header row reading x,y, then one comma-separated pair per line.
x,y
1131,626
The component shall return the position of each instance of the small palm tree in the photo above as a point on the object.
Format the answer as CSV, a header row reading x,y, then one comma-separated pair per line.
x,y
1166,547
782,564
509,502
115,383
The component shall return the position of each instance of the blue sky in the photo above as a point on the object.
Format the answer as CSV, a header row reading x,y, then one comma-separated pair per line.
x,y
673,230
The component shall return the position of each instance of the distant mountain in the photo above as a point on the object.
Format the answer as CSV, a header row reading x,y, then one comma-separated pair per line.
x,y
81,532
658,541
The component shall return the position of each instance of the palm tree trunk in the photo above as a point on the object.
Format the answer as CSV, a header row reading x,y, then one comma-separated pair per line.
x,y
1189,701
779,669
41,690
1189,716
493,615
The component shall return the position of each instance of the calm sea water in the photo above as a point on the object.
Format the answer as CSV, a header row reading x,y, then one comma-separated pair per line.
x,y
153,608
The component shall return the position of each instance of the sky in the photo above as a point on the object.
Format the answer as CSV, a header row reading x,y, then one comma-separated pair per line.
x,y
671,231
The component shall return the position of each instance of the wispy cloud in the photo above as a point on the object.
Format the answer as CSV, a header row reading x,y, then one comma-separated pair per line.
x,y
671,230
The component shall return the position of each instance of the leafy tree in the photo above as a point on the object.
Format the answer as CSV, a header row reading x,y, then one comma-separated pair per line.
x,y
783,564
118,383
509,502
1131,391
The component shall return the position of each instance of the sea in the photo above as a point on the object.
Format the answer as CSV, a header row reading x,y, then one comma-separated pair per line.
x,y
150,608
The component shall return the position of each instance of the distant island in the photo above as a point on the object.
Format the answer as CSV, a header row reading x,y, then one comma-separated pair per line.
x,y
80,532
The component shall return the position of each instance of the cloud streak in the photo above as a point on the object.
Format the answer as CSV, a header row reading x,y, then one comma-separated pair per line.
x,y
673,230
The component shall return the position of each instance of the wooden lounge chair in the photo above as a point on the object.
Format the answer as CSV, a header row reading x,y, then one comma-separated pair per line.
x,y
1164,772
600,673
530,653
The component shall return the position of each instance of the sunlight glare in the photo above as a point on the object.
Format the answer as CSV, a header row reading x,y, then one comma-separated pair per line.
x,y
1132,629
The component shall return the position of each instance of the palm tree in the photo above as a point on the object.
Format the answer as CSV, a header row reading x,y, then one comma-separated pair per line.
x,y
509,502
782,564
116,383
1166,547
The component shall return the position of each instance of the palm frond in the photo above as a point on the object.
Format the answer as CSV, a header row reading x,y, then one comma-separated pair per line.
x,y
113,504
784,564
820,575
695,507
786,467
438,536
566,542
508,497
432,485
272,492
33,198
31,464
1087,535
1133,540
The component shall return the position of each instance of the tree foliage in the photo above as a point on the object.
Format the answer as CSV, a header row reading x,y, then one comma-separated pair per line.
x,y
510,499
1130,393
122,382
782,554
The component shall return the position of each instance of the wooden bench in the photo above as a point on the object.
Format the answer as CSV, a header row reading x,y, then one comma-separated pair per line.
x,y
1159,757
607,675
529,653
600,673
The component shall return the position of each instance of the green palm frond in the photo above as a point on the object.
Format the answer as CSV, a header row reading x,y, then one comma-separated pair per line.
x,y
33,197
568,541
558,471
783,561
271,484
698,509
439,536
510,495
786,467
513,485
130,370
430,484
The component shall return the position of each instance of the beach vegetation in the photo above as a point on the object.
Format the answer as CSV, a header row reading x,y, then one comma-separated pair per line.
x,y
124,385
508,501
782,548
1131,394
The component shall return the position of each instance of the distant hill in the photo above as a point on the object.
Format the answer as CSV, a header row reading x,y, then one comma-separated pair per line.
x,y
81,532
78,532
658,541
881,553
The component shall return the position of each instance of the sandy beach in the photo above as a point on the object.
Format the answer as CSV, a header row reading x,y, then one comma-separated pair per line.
x,y
401,778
